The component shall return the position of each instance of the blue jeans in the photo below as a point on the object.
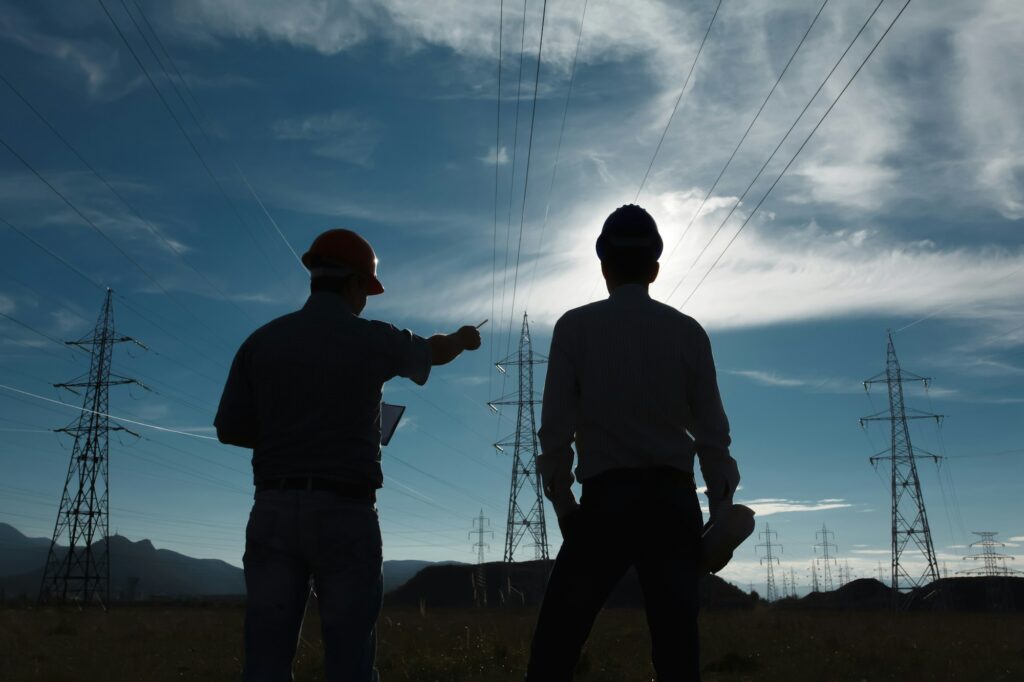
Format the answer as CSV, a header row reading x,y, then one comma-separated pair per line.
x,y
295,535
649,519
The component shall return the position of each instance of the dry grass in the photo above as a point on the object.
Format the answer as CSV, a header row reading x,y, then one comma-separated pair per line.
x,y
164,643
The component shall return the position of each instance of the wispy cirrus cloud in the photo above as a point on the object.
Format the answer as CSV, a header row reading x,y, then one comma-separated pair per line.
x,y
769,506
340,135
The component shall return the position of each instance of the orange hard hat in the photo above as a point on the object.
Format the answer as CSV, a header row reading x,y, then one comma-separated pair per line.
x,y
340,248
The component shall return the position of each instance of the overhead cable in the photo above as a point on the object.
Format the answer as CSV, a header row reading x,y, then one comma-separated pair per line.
x,y
771,156
800,149
678,100
746,132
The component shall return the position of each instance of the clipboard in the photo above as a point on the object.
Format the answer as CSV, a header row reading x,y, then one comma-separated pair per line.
x,y
390,416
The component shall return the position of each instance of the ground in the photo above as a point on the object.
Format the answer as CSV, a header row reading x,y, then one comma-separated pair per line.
x,y
204,643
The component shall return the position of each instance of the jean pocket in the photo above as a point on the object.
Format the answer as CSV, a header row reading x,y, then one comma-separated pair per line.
x,y
262,529
348,539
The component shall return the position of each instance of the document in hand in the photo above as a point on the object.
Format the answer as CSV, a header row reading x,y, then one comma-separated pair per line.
x,y
390,415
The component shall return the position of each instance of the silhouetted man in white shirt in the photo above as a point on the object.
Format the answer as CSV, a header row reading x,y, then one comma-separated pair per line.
x,y
631,382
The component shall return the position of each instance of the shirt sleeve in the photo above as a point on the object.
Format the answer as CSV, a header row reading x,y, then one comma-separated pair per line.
x,y
711,427
236,419
408,354
558,417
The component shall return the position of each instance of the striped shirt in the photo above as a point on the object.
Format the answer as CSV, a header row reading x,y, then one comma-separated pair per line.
x,y
631,381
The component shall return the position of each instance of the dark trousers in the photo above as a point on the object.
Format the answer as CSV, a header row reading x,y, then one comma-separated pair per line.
x,y
646,518
294,535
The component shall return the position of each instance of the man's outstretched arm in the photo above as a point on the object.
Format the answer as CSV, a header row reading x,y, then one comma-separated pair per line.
x,y
446,347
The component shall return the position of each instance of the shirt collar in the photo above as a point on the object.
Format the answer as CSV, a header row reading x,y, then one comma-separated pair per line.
x,y
327,302
630,291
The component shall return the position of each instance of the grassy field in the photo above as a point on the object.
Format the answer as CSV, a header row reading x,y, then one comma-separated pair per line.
x,y
175,643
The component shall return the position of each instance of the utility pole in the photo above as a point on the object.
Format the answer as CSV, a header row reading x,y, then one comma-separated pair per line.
x,y
81,573
792,581
480,524
881,573
815,586
909,521
525,499
769,559
827,557
993,563
849,577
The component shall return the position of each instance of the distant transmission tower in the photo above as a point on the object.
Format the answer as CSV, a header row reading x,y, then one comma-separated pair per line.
x,y
81,572
769,559
993,563
909,520
815,585
525,500
827,557
479,529
792,581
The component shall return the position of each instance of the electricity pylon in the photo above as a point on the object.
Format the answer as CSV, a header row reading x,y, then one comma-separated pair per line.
x,y
815,585
909,519
769,559
480,531
525,499
993,563
81,573
827,558
792,581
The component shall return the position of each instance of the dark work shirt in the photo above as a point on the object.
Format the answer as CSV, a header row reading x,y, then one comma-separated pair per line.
x,y
304,391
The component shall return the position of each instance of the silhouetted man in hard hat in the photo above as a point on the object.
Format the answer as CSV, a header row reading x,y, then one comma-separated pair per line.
x,y
304,393
631,382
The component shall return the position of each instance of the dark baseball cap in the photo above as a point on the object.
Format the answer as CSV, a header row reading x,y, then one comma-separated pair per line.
x,y
629,229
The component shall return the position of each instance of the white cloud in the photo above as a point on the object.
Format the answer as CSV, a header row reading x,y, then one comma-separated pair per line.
x,y
490,157
880,552
340,135
827,385
6,304
1016,538
770,506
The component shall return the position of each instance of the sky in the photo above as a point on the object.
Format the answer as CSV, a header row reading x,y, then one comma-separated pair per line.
x,y
901,210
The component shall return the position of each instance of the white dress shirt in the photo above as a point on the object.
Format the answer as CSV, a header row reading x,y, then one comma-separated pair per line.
x,y
631,381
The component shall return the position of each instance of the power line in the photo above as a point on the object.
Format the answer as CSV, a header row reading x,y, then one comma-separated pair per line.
x,y
497,165
103,414
181,128
775,151
558,151
88,221
131,207
678,100
526,177
747,131
193,115
799,149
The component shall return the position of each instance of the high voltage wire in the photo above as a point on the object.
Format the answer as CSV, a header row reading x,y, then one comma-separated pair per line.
x,y
512,175
497,166
131,207
193,114
526,177
799,149
64,262
181,128
746,132
678,100
103,414
558,151
96,228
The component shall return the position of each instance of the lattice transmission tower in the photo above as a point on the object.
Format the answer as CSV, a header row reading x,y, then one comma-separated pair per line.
x,y
480,525
827,557
770,560
993,562
80,570
525,499
909,521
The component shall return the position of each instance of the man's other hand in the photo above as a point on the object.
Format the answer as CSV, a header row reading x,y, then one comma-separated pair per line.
x,y
470,337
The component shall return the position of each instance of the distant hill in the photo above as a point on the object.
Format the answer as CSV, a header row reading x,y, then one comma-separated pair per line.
x,y
522,584
996,593
139,570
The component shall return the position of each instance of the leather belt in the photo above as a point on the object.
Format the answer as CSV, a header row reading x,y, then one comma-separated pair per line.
x,y
356,492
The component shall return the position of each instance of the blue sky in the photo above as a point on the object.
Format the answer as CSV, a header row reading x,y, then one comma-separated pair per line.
x,y
904,208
